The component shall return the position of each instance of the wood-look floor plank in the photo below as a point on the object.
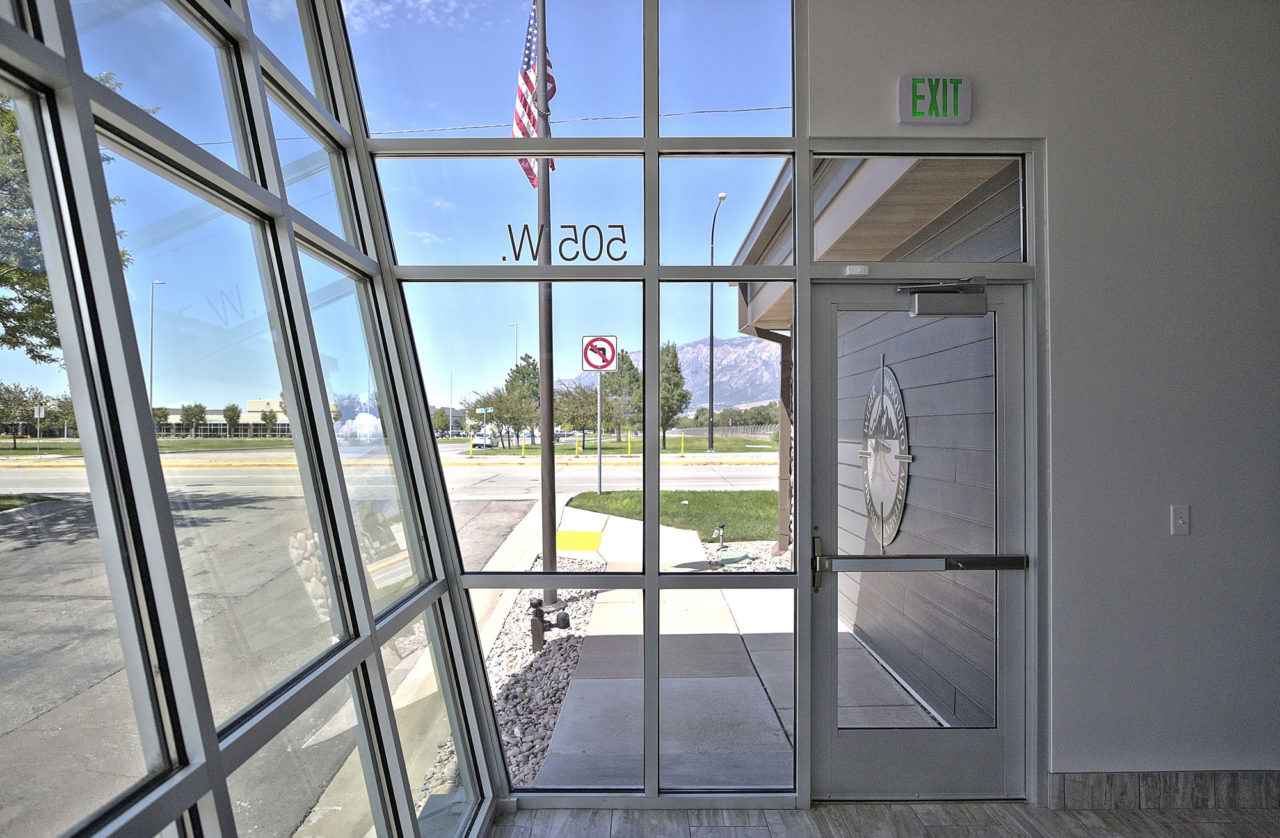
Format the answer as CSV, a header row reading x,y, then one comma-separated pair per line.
x,y
730,832
878,820
805,823
572,823
726,817
650,823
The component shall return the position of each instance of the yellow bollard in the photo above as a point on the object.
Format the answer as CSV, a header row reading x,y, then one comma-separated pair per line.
x,y
470,445
681,445
521,446
628,445
575,446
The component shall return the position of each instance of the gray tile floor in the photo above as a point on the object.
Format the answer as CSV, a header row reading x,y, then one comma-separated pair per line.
x,y
885,820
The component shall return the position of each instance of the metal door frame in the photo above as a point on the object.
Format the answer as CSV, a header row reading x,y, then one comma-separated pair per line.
x,y
919,764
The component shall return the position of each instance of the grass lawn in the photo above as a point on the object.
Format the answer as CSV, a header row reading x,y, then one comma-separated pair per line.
x,y
166,443
27,447
747,516
692,445
8,502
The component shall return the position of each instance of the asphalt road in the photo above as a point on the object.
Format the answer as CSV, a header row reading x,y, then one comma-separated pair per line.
x,y
238,516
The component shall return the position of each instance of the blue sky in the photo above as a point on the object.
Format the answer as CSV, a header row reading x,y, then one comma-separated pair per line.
x,y
439,64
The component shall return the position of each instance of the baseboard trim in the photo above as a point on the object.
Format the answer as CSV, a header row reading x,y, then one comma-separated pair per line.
x,y
1165,790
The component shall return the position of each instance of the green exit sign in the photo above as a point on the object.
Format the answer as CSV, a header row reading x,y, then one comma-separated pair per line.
x,y
932,99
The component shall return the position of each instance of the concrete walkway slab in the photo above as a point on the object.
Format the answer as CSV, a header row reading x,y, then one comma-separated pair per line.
x,y
622,544
721,728
776,669
695,612
862,682
610,656
581,519
896,716
704,656
598,740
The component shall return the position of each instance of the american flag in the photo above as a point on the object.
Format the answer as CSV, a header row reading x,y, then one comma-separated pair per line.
x,y
526,121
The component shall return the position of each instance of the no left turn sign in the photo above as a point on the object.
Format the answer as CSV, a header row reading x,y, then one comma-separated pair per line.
x,y
600,353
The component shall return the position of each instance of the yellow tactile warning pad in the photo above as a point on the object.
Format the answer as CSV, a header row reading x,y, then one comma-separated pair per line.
x,y
577,540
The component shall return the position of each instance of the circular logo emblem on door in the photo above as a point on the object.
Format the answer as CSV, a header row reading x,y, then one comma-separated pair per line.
x,y
884,455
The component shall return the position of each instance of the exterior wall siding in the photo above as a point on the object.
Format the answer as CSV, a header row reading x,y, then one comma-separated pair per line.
x,y
935,630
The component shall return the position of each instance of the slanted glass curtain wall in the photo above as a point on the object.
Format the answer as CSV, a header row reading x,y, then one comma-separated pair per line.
x,y
225,607
256,254
625,534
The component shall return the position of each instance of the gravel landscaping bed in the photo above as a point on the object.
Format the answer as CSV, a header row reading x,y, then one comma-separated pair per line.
x,y
529,688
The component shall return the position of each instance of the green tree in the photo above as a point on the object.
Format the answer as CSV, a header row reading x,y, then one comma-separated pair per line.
x,y
268,417
762,414
192,415
16,403
231,413
27,321
62,415
673,398
440,420
576,408
517,408
160,415
623,392
482,400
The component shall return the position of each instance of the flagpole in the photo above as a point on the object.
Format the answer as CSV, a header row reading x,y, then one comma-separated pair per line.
x,y
546,362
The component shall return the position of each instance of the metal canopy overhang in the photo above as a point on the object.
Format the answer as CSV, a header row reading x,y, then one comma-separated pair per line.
x,y
866,209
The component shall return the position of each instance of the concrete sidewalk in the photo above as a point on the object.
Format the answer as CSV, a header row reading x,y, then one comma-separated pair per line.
x,y
726,664
725,688
725,695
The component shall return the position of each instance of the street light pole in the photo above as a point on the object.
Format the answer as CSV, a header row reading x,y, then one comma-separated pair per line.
x,y
711,338
516,342
151,347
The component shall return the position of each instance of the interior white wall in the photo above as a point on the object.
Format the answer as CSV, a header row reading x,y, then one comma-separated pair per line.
x,y
1161,127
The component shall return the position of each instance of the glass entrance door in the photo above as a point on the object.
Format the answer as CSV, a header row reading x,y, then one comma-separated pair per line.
x,y
919,545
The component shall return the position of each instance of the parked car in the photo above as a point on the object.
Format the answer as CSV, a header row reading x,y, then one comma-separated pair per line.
x,y
484,441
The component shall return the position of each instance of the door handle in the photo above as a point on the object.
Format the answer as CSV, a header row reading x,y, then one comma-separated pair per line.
x,y
836,563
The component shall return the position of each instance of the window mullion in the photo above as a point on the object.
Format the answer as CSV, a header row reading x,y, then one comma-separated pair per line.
x,y
652,399
422,466
135,463
319,458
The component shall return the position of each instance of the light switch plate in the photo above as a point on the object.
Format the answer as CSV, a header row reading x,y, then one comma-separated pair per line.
x,y
1179,519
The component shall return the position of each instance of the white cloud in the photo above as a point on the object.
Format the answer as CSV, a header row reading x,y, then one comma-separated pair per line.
x,y
427,238
363,15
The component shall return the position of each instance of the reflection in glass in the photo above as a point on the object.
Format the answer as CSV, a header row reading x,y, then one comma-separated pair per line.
x,y
751,225
278,24
483,212
257,568
570,712
477,346
442,786
368,469
725,477
69,720
918,209
917,649
311,173
596,57
182,76
726,692
309,780
722,91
